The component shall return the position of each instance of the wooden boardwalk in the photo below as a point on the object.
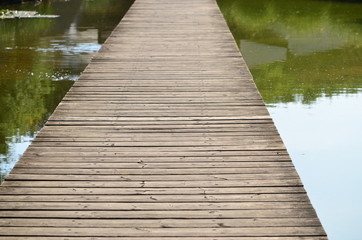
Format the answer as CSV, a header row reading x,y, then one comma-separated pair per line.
x,y
164,136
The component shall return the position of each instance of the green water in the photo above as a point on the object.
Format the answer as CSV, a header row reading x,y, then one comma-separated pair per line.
x,y
306,59
39,61
299,50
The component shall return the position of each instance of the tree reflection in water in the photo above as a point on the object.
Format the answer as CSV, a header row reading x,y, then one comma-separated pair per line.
x,y
39,61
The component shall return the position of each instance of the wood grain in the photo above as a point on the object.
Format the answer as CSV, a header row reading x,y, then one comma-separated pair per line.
x,y
164,136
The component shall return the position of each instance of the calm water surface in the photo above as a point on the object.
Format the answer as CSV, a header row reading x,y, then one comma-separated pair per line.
x,y
39,61
306,59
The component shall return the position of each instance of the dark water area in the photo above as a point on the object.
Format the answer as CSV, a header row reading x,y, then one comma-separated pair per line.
x,y
39,61
299,50
306,59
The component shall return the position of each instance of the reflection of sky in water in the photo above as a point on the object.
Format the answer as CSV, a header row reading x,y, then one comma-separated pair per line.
x,y
67,48
68,52
324,141
75,42
259,53
72,49
17,146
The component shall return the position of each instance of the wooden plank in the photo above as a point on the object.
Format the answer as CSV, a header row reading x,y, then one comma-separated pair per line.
x,y
146,165
162,214
275,146
253,197
140,138
152,206
168,238
161,184
178,177
160,223
122,154
102,171
162,232
148,191
161,159
113,125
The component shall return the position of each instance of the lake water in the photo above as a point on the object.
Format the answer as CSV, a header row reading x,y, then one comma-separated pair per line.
x,y
305,56
39,61
306,59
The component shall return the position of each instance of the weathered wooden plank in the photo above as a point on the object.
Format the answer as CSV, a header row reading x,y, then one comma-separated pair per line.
x,y
145,165
164,184
162,214
170,148
193,171
122,154
160,159
168,238
146,126
160,223
153,206
187,122
175,118
157,145
149,191
141,139
253,197
162,232
142,177
159,133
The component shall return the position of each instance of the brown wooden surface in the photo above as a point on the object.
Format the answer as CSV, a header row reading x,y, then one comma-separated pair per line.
x,y
164,136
